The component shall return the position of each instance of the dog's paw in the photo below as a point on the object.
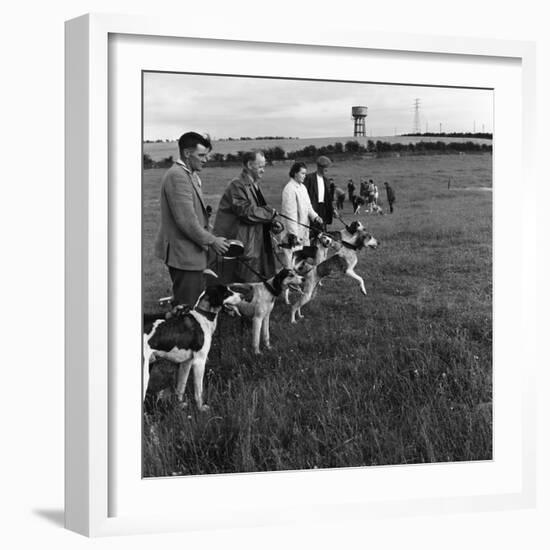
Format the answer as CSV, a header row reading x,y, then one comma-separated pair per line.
x,y
204,408
183,405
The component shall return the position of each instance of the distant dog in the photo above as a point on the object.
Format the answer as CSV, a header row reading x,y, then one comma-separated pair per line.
x,y
185,338
357,202
349,242
375,207
260,298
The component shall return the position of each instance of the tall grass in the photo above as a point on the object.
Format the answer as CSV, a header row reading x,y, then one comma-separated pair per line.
x,y
403,375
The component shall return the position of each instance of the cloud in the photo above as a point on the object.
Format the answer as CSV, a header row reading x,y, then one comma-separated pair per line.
x,y
239,106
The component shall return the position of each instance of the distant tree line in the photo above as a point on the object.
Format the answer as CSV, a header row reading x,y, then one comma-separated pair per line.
x,y
381,147
148,162
479,135
339,149
247,138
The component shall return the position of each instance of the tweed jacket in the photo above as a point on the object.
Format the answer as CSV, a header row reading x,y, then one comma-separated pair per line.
x,y
311,185
183,236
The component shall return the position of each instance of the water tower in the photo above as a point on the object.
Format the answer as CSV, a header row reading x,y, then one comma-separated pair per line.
x,y
359,115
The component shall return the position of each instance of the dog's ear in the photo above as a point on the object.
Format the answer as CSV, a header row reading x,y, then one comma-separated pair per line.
x,y
304,267
360,242
283,274
353,227
280,277
216,294
335,235
363,240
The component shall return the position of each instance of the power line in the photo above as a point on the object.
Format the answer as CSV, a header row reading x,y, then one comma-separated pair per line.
x,y
416,124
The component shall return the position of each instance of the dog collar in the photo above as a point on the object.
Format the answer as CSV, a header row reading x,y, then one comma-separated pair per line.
x,y
270,288
348,245
208,314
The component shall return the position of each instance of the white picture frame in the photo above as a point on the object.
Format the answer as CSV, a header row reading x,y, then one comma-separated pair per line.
x,y
99,499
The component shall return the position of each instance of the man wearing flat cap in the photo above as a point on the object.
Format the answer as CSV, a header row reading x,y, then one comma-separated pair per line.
x,y
317,186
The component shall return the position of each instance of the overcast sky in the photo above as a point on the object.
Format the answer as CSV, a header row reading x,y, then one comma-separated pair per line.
x,y
241,106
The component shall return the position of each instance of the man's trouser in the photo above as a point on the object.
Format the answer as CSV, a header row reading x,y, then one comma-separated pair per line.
x,y
187,286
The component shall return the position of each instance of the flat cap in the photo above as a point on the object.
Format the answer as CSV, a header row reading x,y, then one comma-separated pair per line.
x,y
323,161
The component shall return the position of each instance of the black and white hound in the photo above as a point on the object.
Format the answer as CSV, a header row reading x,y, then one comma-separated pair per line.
x,y
185,339
348,242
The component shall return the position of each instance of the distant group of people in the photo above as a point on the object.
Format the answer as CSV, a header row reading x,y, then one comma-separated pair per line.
x,y
188,244
370,195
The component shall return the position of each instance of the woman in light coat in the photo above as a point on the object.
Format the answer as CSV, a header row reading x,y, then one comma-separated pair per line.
x,y
296,204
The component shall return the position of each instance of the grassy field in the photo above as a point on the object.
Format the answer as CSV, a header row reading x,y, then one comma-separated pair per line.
x,y
403,375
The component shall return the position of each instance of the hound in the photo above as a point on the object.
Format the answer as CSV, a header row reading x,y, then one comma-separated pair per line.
x,y
310,256
357,203
286,245
350,241
262,298
185,339
307,257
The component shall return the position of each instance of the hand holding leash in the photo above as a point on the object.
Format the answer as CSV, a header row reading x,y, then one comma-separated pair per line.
x,y
220,245
338,216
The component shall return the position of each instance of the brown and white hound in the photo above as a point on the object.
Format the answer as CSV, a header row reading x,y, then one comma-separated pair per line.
x,y
348,243
260,300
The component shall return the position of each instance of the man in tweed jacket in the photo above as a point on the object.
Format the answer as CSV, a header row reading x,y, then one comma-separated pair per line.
x,y
183,239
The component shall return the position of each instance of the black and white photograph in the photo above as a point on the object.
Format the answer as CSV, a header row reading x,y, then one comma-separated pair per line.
x,y
317,274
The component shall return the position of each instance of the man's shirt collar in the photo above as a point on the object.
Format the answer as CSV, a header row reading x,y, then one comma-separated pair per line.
x,y
183,165
193,175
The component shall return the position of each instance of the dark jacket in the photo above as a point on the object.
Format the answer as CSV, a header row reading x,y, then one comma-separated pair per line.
x,y
390,194
311,185
239,216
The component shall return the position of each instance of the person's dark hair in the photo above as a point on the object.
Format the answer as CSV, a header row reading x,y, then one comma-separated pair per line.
x,y
250,156
296,167
190,140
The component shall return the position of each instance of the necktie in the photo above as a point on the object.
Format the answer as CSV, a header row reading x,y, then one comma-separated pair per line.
x,y
268,246
259,196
